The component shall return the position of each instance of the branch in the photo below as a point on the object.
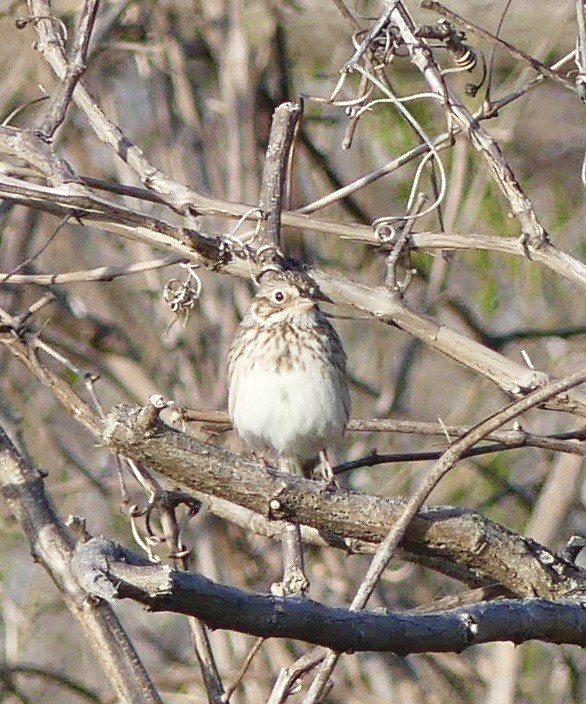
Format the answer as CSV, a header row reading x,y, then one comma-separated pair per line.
x,y
446,462
502,173
449,533
75,69
23,144
274,194
446,540
450,457
509,376
51,47
208,251
62,202
8,672
248,519
580,59
569,442
439,143
114,573
101,273
22,487
484,34
374,459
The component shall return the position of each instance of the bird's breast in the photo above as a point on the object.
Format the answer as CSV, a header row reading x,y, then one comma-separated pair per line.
x,y
297,410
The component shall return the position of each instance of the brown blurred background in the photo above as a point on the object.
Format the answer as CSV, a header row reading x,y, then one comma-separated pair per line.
x,y
194,84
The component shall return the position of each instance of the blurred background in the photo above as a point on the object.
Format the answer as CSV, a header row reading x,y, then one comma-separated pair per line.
x,y
194,84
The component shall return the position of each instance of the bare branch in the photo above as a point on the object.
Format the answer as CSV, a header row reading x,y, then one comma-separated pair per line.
x,y
207,251
76,65
484,34
22,487
581,49
102,273
504,439
112,572
210,470
447,462
274,194
502,173
51,46
149,230
392,540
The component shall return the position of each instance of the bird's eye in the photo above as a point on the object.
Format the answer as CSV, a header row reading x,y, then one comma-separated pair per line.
x,y
278,296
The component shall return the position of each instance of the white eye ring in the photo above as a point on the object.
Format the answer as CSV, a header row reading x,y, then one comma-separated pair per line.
x,y
278,296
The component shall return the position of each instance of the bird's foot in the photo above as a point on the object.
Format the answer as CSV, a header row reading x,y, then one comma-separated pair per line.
x,y
262,457
324,472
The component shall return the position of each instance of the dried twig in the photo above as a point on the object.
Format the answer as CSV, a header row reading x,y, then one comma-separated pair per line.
x,y
580,59
399,245
76,65
102,273
274,194
435,6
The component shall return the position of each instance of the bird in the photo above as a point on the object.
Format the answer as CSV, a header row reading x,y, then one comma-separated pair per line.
x,y
288,389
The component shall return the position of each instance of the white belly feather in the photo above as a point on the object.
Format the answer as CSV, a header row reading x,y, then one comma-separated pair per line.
x,y
294,412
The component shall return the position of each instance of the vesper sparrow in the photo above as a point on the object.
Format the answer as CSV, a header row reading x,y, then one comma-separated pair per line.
x,y
287,373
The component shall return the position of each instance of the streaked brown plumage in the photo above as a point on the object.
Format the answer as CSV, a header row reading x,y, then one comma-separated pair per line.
x,y
287,373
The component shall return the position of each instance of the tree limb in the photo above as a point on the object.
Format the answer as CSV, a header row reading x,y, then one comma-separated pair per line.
x,y
23,490
114,573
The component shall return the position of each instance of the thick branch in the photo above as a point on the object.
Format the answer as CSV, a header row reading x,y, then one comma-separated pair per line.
x,y
116,574
438,536
466,538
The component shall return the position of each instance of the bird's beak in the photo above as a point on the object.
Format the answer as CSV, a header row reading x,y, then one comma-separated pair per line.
x,y
305,303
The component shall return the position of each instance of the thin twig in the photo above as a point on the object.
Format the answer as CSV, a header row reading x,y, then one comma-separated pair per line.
x,y
435,6
490,68
102,273
374,459
372,33
4,278
441,142
399,245
289,676
347,14
244,668
449,459
504,439
533,234
581,49
76,66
